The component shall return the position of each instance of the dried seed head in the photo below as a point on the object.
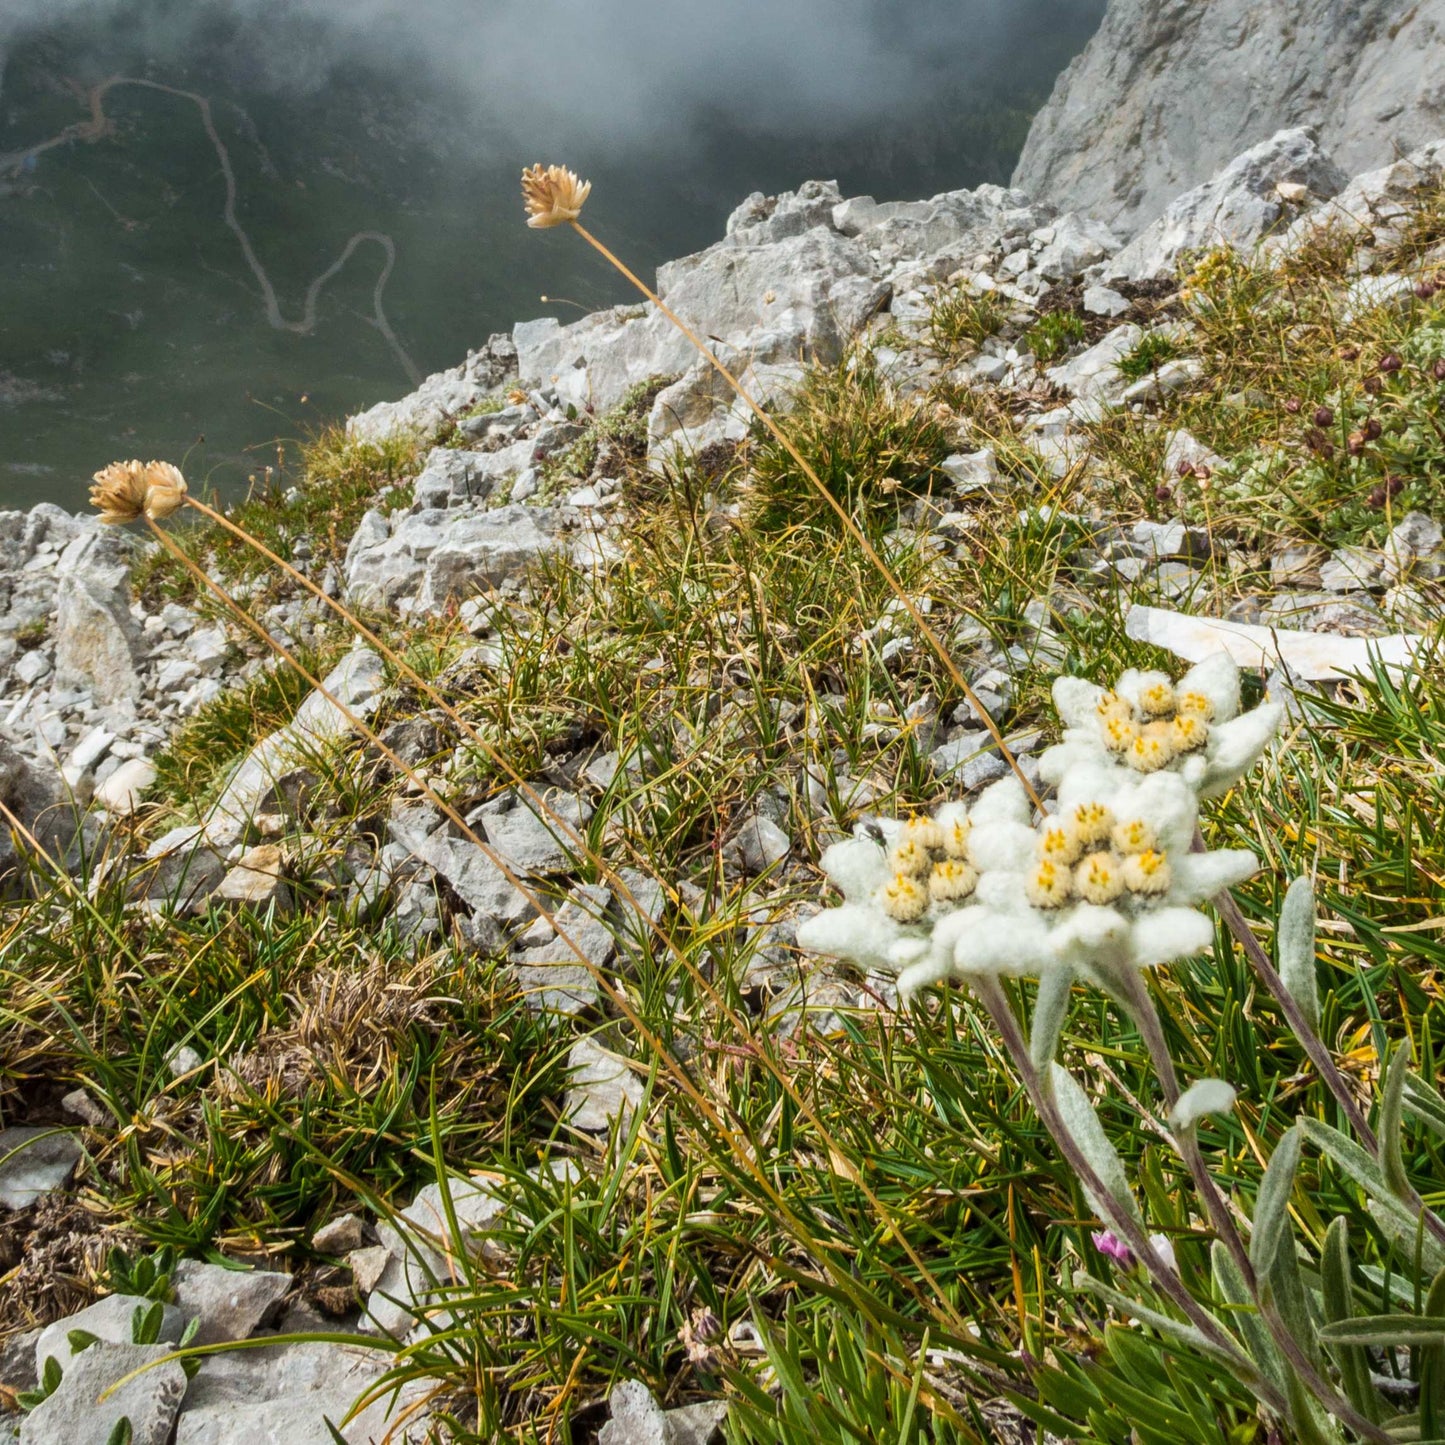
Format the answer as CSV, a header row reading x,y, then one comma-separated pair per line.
x,y
911,857
1099,878
951,881
553,195
1324,416
1152,749
118,493
1147,873
1060,843
1188,734
1391,362
1196,705
1049,885
1157,700
1134,836
1119,733
1093,823
165,490
904,898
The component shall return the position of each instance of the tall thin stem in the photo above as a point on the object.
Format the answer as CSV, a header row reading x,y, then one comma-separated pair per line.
x,y
844,515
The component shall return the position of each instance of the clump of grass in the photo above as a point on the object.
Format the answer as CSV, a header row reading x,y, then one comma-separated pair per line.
x,y
961,317
869,447
1053,335
618,438
1154,348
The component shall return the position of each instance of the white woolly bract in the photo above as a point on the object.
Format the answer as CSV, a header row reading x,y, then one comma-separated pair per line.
x,y
1001,846
1199,876
1002,802
919,975
1076,701
1217,677
1235,747
1077,1116
1013,944
1208,1096
951,813
1167,934
1089,931
1078,748
853,931
857,867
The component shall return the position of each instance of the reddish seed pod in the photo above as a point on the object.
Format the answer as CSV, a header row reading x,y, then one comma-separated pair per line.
x,y
1356,443
1391,362
1292,405
1376,499
1163,493
1372,429
1349,353
1324,416
1184,469
1394,486
1437,370
1203,473
1374,385
1425,289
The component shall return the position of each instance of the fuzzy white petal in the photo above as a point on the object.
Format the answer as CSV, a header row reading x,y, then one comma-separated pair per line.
x,y
1093,779
1016,945
920,975
1075,701
1235,747
906,951
1002,802
1166,802
1208,1096
1003,892
950,814
1086,932
1167,934
1057,762
1197,876
853,931
1217,677
1001,846
857,867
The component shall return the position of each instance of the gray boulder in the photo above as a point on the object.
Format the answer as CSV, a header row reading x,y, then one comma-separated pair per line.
x,y
35,1162
97,644
437,557
1238,207
36,795
230,1303
75,1413
441,396
111,1320
1168,91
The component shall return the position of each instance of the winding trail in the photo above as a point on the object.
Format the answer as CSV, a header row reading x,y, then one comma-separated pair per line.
x,y
99,125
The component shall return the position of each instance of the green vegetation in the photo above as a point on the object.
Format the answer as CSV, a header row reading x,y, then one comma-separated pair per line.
x,y
1153,350
961,316
870,448
1051,336
844,1216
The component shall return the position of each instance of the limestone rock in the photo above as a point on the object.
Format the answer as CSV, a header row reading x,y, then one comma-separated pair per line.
x,y
601,1089
1239,206
111,1320
1168,91
35,1162
445,394
257,881
231,1303
75,1412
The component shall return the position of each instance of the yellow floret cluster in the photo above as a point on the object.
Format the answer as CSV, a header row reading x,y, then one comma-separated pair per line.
x,y
929,862
1089,856
1163,725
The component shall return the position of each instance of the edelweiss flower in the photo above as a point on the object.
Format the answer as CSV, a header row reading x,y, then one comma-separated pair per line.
x,y
553,195
896,891
1148,724
124,491
1129,902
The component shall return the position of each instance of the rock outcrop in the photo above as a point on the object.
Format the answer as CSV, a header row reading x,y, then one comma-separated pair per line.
x,y
1168,91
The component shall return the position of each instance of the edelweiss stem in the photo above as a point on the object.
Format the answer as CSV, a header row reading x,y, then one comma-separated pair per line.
x,y
852,527
993,998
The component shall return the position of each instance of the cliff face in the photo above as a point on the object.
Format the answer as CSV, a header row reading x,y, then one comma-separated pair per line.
x,y
1170,90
